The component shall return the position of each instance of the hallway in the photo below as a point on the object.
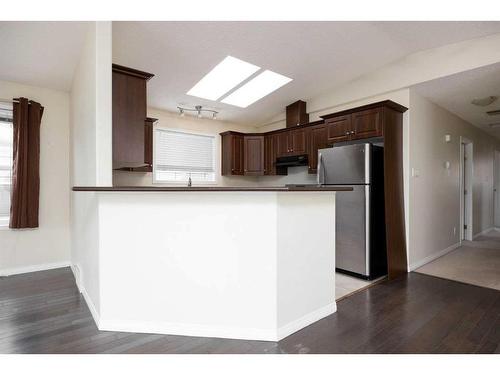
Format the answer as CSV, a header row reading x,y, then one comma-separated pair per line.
x,y
476,262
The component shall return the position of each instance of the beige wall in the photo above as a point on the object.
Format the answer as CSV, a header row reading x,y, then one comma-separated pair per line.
x,y
188,123
48,245
434,195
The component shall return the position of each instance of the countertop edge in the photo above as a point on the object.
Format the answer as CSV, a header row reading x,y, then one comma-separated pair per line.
x,y
208,189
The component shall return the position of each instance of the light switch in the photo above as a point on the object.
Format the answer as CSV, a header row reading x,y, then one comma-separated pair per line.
x,y
415,172
447,138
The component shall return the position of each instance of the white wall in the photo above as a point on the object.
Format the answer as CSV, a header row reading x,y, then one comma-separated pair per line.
x,y
91,160
48,245
435,194
189,123
222,282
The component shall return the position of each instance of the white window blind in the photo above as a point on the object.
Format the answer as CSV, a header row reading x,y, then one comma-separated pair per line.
x,y
5,162
180,155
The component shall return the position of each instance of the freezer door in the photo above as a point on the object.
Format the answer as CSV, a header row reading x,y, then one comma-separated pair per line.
x,y
344,164
352,230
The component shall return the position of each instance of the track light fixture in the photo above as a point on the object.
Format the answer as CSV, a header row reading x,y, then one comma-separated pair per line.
x,y
199,111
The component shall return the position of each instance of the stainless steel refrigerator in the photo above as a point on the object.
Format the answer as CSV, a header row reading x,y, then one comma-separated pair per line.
x,y
360,218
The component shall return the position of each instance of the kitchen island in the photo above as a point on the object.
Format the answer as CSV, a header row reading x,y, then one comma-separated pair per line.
x,y
246,263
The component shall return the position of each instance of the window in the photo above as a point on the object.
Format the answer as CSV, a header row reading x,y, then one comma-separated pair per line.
x,y
5,162
180,155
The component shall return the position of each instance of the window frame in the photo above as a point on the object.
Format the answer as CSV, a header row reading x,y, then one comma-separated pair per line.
x,y
185,131
4,224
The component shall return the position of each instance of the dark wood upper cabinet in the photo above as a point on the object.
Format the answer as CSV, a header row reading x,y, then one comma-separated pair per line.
x,y
148,141
338,128
317,140
282,143
366,124
270,155
129,116
297,141
296,114
253,155
232,154
292,142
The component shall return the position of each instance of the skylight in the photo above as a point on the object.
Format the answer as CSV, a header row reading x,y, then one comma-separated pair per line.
x,y
226,75
262,85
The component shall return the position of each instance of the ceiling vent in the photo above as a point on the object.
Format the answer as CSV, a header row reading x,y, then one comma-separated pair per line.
x,y
493,113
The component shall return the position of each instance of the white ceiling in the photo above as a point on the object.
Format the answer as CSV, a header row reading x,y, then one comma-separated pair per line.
x,y
319,56
41,54
455,93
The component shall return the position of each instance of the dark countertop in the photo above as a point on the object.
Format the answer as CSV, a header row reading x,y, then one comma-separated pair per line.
x,y
309,188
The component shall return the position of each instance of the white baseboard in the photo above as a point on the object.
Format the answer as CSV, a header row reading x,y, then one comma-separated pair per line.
x,y
483,232
432,257
217,331
167,328
33,268
86,297
306,320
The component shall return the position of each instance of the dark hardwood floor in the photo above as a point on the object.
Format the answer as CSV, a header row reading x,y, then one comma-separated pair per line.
x,y
42,312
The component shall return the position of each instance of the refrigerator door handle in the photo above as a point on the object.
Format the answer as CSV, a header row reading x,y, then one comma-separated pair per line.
x,y
321,170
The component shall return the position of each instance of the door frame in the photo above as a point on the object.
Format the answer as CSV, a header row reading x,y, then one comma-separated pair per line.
x,y
496,189
468,167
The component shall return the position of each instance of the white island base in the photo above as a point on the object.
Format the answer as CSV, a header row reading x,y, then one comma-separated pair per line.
x,y
244,265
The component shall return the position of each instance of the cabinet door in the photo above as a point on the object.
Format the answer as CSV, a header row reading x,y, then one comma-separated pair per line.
x,y
283,144
317,140
338,128
254,155
367,124
148,142
129,114
237,155
298,143
269,155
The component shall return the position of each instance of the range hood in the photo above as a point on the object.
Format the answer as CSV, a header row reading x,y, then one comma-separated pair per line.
x,y
292,161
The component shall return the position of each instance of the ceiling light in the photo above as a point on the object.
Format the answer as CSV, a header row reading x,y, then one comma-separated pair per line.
x,y
225,76
483,102
199,111
262,85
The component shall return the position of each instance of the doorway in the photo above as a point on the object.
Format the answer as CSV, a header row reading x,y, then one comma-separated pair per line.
x,y
496,189
466,179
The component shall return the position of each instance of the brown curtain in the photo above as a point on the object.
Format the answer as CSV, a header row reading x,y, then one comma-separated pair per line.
x,y
26,119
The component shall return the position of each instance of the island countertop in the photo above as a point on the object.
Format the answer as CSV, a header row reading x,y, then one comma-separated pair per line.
x,y
296,188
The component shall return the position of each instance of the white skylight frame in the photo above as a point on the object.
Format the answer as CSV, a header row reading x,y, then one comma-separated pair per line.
x,y
225,76
257,88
